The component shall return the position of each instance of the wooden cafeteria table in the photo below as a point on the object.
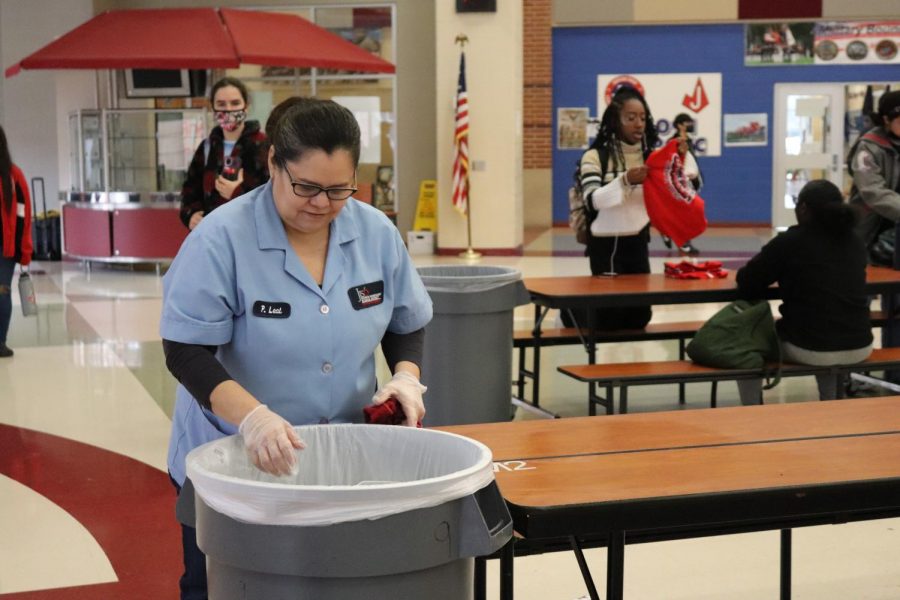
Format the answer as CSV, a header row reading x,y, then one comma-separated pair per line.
x,y
680,474
598,292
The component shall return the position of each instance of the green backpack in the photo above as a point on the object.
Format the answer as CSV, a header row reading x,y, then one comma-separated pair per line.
x,y
740,336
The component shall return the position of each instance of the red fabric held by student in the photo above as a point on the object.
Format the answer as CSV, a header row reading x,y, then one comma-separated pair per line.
x,y
672,204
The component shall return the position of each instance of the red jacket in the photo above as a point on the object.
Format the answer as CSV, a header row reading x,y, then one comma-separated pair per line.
x,y
672,203
15,221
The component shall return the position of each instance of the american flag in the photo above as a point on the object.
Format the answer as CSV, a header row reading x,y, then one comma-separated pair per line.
x,y
461,153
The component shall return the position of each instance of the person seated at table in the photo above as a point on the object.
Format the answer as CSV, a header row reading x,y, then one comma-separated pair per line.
x,y
612,172
820,268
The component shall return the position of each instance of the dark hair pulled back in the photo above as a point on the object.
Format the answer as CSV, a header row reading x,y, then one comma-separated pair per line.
x,y
826,207
310,123
278,112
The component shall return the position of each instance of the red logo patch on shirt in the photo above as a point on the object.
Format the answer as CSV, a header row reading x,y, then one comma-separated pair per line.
x,y
366,295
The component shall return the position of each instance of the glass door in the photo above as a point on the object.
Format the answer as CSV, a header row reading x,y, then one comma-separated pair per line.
x,y
808,142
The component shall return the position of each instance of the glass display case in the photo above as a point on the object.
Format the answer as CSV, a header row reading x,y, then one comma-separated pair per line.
x,y
127,168
133,150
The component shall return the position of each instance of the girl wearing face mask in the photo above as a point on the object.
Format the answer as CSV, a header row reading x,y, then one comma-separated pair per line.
x,y
612,171
231,161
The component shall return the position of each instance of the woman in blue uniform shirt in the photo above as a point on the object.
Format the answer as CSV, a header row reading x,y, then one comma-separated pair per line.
x,y
276,303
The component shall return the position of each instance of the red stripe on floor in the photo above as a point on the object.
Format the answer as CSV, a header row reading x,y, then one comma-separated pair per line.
x,y
126,505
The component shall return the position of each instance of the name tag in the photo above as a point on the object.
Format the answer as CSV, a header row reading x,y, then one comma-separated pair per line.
x,y
366,295
271,310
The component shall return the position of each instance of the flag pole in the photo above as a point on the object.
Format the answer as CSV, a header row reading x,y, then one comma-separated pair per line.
x,y
470,253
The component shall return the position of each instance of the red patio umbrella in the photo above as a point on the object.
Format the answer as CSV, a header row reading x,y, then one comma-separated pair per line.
x,y
199,38
266,38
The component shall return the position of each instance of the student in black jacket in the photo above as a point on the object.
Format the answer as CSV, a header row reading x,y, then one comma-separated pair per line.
x,y
231,161
820,267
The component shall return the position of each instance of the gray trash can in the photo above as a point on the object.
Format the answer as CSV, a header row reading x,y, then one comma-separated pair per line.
x,y
467,363
373,512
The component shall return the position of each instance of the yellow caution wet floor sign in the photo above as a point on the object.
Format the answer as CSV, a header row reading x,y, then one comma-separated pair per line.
x,y
426,208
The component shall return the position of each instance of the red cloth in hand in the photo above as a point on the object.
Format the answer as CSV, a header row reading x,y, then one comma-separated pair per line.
x,y
710,269
388,412
672,204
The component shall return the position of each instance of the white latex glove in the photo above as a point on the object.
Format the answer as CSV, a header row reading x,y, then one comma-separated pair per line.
x,y
408,391
270,441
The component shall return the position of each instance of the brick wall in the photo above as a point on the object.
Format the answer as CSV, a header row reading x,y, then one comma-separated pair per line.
x,y
538,82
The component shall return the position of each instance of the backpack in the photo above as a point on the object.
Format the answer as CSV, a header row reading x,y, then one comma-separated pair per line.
x,y
581,215
740,336
881,250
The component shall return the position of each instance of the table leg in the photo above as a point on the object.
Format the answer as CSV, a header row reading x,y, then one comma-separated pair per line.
x,y
593,396
785,564
585,571
480,578
507,553
615,566
591,336
539,315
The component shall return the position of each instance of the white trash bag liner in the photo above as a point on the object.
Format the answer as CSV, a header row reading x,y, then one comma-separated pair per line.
x,y
467,278
346,473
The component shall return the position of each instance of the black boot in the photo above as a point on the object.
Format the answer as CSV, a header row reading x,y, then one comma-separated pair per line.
x,y
689,249
5,351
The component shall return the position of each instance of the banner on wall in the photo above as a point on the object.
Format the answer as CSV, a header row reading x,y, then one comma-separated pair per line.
x,y
696,94
822,43
853,43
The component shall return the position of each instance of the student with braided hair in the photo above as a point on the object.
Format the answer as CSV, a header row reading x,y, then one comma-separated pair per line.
x,y
612,171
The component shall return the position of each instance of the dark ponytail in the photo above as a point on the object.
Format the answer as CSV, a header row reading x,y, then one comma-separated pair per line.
x,y
826,207
5,172
311,123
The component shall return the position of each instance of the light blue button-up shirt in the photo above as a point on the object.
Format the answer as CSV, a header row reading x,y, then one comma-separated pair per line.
x,y
305,351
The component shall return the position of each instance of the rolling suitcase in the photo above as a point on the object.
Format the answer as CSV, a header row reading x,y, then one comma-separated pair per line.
x,y
45,227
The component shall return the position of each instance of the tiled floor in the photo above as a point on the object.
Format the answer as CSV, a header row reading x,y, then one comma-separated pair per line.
x,y
86,507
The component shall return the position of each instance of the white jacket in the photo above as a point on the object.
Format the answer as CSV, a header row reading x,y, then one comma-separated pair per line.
x,y
620,206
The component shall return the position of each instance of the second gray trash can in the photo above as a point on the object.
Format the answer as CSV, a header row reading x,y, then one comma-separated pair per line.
x,y
467,363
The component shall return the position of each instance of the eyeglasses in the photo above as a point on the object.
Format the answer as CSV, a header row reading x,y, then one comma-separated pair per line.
x,y
311,190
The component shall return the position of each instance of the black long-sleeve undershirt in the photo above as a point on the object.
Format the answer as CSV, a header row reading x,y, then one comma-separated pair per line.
x,y
196,367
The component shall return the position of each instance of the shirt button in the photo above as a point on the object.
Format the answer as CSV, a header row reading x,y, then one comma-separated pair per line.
x,y
326,368
324,309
